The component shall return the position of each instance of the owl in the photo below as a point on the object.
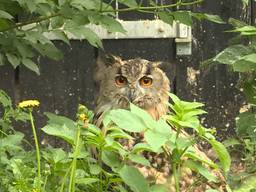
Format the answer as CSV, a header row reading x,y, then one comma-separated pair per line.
x,y
144,84
136,81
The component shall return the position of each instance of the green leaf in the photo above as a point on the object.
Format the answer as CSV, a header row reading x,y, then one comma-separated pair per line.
x,y
111,159
5,15
31,65
146,118
230,142
232,54
159,188
84,32
155,140
183,17
62,127
5,100
111,24
140,147
129,3
222,153
244,66
48,50
245,2
194,156
197,167
59,35
95,169
139,159
13,59
134,179
166,17
248,185
87,181
209,17
236,23
246,125
127,120
12,142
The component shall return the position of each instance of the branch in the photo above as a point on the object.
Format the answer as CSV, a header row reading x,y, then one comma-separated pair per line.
x,y
179,3
37,20
140,9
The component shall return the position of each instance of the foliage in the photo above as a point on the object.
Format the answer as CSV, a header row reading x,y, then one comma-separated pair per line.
x,y
98,159
240,56
27,27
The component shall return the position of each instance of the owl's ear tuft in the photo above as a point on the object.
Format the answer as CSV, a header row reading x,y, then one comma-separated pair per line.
x,y
108,60
103,62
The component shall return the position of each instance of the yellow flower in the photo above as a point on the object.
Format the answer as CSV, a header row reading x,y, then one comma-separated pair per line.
x,y
83,117
35,190
29,103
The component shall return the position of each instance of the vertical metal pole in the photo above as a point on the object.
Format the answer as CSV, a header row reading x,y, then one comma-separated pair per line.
x,y
117,16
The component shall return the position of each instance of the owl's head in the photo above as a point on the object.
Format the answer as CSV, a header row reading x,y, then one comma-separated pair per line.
x,y
138,81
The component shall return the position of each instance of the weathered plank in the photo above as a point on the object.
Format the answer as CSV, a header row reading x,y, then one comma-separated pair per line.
x,y
7,79
63,84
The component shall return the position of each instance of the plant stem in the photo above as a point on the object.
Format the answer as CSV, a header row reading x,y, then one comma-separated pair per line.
x,y
72,181
64,179
176,175
155,7
37,147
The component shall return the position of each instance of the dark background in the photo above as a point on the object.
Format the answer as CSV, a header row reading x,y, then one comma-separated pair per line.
x,y
63,85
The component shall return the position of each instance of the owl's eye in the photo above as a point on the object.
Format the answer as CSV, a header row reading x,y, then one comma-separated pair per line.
x,y
146,81
120,80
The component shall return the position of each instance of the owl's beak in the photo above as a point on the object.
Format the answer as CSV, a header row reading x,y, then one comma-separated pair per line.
x,y
132,95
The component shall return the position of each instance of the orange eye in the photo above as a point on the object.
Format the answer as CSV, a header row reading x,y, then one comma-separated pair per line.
x,y
120,80
146,81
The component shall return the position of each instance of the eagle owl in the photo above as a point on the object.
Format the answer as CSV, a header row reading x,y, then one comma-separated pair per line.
x,y
144,84
138,81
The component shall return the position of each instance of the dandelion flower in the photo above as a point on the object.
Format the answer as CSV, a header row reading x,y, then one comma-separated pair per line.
x,y
29,103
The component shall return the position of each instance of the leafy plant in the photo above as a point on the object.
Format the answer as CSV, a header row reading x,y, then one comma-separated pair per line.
x,y
99,160
240,56
27,27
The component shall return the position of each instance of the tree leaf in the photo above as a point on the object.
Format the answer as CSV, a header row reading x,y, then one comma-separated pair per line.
x,y
48,50
5,15
31,65
13,59
244,66
134,179
166,17
183,17
209,17
232,54
59,35
111,24
88,34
